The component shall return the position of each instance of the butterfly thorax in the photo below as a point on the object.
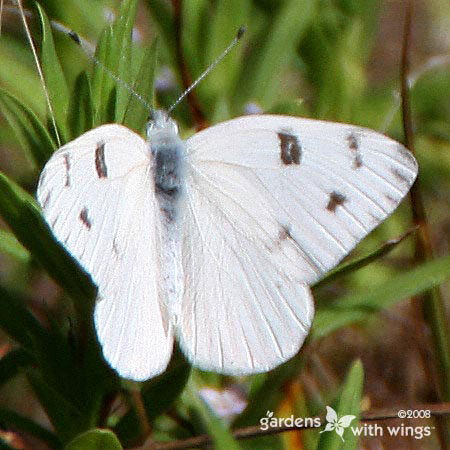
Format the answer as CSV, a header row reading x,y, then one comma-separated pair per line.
x,y
168,153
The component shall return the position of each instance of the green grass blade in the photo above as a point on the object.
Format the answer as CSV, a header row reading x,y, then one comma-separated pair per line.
x,y
359,263
266,395
15,420
120,59
347,405
220,435
20,212
102,82
161,13
136,114
292,20
95,440
223,25
362,305
67,420
12,363
9,245
81,110
31,133
329,320
158,394
18,322
54,77
402,286
113,68
195,19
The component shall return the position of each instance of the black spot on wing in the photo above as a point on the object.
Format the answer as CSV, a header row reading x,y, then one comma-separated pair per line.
x,y
115,248
336,199
400,176
357,161
67,167
291,149
391,199
353,145
407,155
54,222
85,218
46,200
285,234
100,164
74,36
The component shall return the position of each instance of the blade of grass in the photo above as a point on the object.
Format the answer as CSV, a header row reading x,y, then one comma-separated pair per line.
x,y
55,82
95,440
20,212
195,24
265,395
136,114
120,61
157,395
282,38
360,306
228,16
359,263
81,110
402,286
12,363
40,72
31,133
221,436
9,245
347,405
102,82
18,322
67,420
161,13
26,425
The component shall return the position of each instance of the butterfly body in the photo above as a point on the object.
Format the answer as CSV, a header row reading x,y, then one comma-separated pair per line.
x,y
169,174
215,240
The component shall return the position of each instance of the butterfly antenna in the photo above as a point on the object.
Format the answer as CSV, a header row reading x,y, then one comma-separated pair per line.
x,y
236,39
90,53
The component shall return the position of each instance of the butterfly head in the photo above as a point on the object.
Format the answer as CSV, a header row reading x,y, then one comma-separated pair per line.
x,y
160,121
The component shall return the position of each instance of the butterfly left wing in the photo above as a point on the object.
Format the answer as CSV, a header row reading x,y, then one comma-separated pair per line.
x,y
274,202
97,195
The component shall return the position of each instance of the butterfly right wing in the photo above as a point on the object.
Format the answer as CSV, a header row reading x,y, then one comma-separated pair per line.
x,y
274,202
98,197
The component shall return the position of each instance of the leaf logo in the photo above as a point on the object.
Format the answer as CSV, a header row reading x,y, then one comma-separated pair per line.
x,y
337,424
269,413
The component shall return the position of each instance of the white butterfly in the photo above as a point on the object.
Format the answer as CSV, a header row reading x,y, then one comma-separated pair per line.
x,y
215,240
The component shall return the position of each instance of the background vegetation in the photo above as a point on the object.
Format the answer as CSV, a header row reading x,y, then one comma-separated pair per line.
x,y
371,346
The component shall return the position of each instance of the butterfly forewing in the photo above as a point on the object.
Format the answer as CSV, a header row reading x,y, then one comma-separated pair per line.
x,y
322,185
98,197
